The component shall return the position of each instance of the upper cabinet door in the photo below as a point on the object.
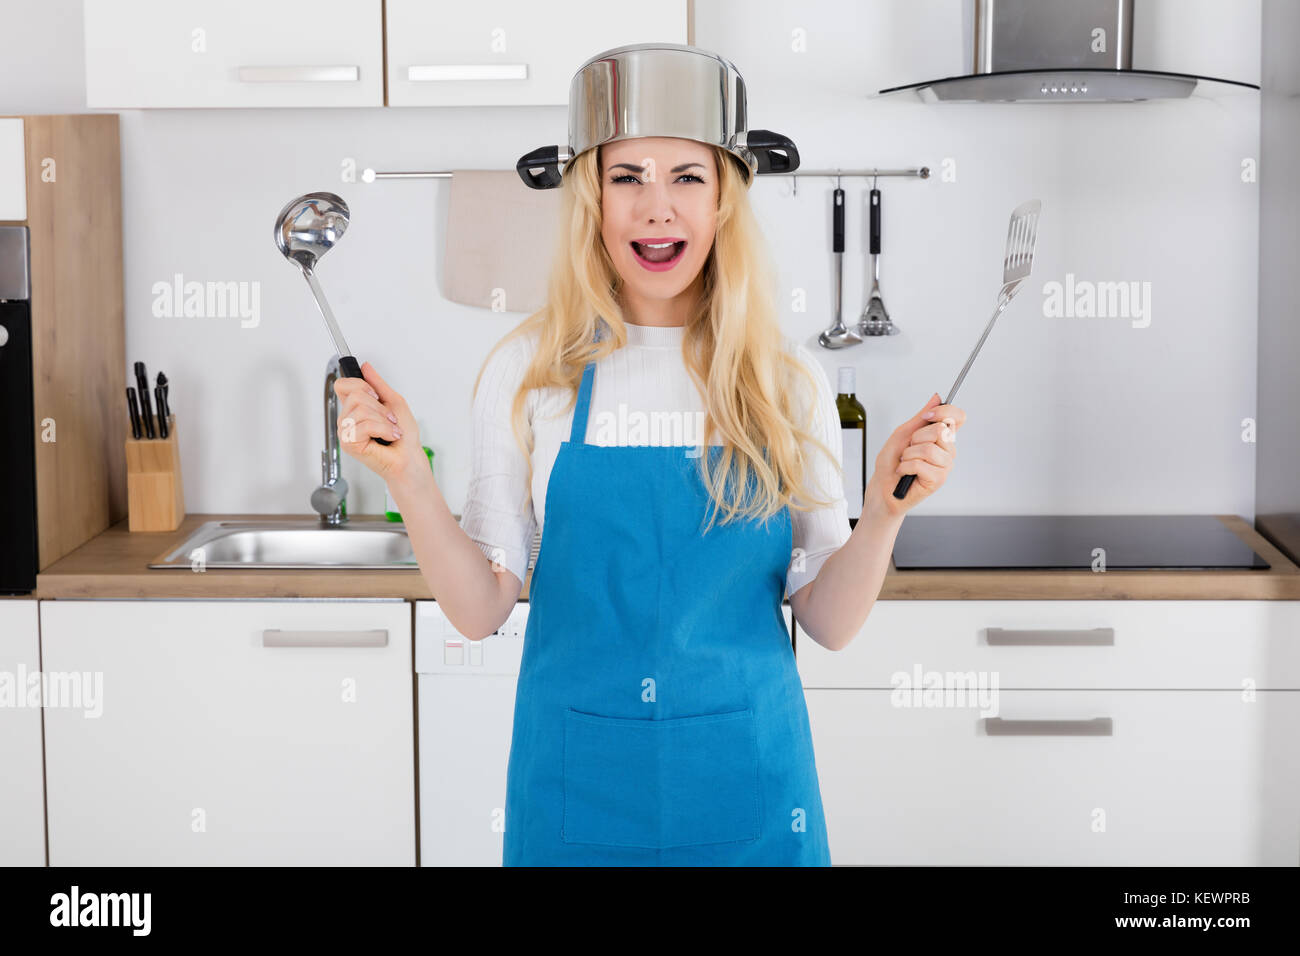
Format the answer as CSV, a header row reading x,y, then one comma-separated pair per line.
x,y
510,52
233,53
13,171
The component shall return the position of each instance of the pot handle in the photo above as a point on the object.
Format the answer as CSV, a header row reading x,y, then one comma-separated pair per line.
x,y
547,157
775,153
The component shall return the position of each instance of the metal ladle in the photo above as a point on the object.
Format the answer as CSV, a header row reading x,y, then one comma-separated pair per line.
x,y
307,228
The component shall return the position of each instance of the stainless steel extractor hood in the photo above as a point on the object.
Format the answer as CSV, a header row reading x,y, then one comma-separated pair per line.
x,y
1071,51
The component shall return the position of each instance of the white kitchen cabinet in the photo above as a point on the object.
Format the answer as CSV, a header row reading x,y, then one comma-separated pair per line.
x,y
1069,644
1185,778
233,53
22,804
232,732
13,171
1198,766
509,52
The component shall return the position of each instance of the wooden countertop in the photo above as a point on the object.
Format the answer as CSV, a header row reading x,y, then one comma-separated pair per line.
x,y
114,565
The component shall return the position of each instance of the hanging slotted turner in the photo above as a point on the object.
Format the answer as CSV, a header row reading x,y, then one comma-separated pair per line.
x,y
1017,263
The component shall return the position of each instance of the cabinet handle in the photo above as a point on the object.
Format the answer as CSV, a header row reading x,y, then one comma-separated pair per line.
x,y
1094,636
275,637
299,74
1088,727
467,71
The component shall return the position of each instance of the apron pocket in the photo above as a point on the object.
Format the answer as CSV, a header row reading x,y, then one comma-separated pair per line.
x,y
689,781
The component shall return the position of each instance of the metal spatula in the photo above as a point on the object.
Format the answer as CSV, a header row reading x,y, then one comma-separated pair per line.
x,y
875,317
1017,263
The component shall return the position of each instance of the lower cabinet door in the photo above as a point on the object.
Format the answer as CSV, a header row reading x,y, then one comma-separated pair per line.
x,y
1127,777
22,808
230,732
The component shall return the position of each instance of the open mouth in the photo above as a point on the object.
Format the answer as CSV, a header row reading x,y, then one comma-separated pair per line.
x,y
658,257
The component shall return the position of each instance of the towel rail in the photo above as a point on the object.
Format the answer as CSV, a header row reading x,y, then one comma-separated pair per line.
x,y
922,172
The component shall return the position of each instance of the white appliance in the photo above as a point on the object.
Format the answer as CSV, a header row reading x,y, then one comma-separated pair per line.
x,y
466,694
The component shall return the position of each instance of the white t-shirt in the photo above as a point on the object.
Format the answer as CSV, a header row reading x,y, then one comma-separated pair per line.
x,y
649,376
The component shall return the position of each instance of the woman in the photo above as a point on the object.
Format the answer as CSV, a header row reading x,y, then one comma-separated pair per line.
x,y
659,717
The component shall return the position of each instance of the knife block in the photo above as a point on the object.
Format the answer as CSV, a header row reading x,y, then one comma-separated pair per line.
x,y
155,495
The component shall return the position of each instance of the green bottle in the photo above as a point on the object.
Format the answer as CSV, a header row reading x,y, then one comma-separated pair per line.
x,y
390,505
853,433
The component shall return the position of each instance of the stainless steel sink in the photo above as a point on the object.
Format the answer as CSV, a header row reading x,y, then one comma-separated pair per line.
x,y
304,543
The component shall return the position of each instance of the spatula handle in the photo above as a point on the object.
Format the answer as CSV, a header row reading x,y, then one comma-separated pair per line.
x,y
351,368
874,216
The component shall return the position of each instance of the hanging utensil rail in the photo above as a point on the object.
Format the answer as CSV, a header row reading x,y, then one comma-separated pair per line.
x,y
922,172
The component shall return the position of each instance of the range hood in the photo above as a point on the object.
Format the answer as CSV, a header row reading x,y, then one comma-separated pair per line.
x,y
1054,51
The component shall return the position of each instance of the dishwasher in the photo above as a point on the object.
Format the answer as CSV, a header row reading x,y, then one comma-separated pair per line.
x,y
466,692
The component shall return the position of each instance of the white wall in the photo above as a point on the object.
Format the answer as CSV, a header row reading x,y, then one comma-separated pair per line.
x,y
1066,415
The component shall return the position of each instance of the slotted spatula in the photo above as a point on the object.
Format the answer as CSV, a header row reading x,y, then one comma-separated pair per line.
x,y
1018,262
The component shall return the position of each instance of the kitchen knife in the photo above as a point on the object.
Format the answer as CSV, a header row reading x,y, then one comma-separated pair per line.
x,y
164,406
142,383
162,413
136,430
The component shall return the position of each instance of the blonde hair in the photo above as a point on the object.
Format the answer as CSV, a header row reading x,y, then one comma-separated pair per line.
x,y
732,346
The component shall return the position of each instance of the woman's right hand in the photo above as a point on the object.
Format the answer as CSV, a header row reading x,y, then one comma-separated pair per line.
x,y
369,408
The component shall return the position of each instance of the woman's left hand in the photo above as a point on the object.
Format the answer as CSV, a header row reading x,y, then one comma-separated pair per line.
x,y
920,446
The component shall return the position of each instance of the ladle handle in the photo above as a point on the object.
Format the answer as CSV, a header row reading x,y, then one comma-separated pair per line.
x,y
350,368
900,490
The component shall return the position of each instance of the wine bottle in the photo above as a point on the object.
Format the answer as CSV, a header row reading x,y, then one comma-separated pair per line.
x,y
853,435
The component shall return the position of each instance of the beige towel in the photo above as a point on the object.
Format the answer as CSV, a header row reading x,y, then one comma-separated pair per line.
x,y
500,241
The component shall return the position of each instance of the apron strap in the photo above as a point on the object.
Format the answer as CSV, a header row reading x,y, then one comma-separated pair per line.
x,y
578,433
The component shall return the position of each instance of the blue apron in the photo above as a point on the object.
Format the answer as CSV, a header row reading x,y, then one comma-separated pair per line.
x,y
659,718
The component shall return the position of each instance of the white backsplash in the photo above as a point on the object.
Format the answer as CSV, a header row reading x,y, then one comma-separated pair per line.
x,y
1065,415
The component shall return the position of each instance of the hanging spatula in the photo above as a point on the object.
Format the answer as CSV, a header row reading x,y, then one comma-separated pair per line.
x,y
1018,262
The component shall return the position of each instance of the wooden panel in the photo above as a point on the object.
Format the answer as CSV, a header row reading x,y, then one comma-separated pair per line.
x,y
74,203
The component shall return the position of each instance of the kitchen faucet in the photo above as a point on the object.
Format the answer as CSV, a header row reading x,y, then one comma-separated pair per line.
x,y
329,497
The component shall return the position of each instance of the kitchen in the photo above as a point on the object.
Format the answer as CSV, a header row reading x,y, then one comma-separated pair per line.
x,y
1119,674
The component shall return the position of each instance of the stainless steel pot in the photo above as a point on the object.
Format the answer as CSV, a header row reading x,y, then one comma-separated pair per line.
x,y
659,89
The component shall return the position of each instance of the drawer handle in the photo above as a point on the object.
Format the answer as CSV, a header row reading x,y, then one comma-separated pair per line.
x,y
1080,637
275,637
1088,727
299,74
466,71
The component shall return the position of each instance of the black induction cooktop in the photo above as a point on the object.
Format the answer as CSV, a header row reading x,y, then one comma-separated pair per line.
x,y
1071,543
